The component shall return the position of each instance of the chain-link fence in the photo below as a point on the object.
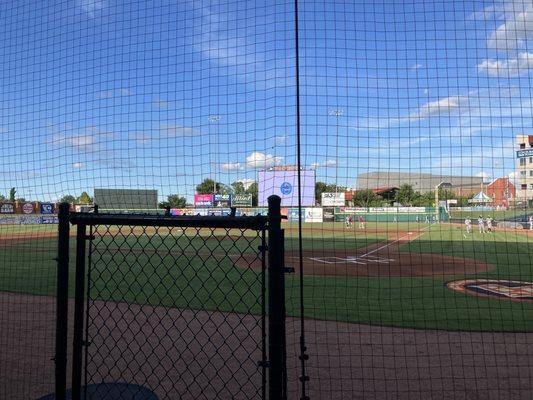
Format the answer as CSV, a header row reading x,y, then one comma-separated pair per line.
x,y
177,306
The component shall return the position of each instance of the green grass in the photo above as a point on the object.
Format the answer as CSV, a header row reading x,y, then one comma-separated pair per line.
x,y
496,214
199,282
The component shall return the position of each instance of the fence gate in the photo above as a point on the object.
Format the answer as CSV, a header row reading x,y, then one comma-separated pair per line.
x,y
176,307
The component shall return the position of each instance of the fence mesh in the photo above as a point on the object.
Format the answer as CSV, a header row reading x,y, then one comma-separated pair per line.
x,y
398,134
151,313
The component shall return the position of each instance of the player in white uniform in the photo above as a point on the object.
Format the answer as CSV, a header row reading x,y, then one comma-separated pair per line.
x,y
489,224
468,224
481,224
530,222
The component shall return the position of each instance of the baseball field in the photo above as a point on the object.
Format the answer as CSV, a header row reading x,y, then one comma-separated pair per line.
x,y
388,274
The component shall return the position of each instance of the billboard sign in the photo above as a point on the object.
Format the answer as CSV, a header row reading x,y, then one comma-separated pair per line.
x,y
285,185
333,199
222,200
27,208
7,208
328,214
241,200
314,214
47,208
203,200
292,215
524,153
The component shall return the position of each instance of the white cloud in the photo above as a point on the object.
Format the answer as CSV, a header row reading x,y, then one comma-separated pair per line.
x,y
78,165
109,94
281,139
246,183
262,160
179,131
516,30
508,67
232,167
327,163
161,104
483,174
514,177
142,139
416,66
87,139
91,7
440,107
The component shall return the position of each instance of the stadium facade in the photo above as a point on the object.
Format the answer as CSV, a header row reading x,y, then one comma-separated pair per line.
x,y
524,155
421,182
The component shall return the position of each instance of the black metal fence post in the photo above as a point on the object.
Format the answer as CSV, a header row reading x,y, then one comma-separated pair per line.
x,y
62,302
77,348
276,298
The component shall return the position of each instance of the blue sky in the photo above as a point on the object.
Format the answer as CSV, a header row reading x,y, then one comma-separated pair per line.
x,y
135,94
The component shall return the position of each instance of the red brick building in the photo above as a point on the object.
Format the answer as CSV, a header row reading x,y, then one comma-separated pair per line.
x,y
502,191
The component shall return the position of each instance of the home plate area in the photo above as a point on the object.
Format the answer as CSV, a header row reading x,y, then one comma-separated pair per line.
x,y
380,260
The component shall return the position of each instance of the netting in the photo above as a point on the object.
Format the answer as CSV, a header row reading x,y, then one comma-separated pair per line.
x,y
399,136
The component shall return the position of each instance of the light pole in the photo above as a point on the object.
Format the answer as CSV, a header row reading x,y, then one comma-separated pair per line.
x,y
214,119
336,112
444,185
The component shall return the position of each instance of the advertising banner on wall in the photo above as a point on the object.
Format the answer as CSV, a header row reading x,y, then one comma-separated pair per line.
x,y
292,215
221,200
203,200
7,208
328,214
241,200
47,208
313,214
285,185
333,199
28,208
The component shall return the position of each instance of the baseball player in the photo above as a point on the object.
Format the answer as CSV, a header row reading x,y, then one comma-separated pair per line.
x,y
361,220
481,224
489,224
468,224
530,222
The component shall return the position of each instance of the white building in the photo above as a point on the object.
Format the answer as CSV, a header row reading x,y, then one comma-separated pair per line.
x,y
524,155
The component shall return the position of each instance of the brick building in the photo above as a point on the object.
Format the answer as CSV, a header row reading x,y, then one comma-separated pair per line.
x,y
502,191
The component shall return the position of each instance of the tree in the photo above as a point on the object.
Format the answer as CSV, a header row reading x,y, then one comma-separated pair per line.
x,y
207,187
238,187
20,200
176,201
2,198
68,199
12,193
406,195
253,189
85,198
366,198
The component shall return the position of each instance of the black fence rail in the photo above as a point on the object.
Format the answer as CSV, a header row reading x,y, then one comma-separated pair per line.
x,y
178,307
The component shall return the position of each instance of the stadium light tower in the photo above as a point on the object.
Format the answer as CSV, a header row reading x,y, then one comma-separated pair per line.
x,y
337,113
215,119
442,185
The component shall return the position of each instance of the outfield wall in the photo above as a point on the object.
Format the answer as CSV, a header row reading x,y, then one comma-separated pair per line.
x,y
392,214
307,214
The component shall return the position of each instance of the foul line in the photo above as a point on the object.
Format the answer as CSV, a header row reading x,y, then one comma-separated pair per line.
x,y
420,233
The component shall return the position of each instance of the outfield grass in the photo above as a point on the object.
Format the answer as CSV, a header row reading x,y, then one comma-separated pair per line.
x,y
201,282
495,214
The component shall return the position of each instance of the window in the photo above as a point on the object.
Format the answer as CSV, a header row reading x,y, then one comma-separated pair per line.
x,y
522,145
522,173
531,186
531,172
523,186
530,160
522,161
